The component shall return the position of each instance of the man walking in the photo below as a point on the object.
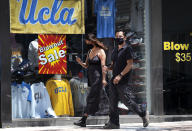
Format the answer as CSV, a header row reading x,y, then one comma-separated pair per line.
x,y
122,61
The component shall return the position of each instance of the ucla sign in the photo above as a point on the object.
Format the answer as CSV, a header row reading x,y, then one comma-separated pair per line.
x,y
47,16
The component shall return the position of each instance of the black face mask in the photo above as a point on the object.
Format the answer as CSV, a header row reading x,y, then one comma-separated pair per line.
x,y
119,41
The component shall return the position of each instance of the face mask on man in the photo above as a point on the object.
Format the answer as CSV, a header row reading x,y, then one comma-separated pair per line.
x,y
119,41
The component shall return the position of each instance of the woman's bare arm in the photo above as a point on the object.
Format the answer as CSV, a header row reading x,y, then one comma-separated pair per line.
x,y
102,57
84,65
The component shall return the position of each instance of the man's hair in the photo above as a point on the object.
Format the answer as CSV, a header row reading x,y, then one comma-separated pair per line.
x,y
121,30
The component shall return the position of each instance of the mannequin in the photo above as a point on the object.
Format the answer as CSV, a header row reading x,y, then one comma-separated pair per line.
x,y
57,77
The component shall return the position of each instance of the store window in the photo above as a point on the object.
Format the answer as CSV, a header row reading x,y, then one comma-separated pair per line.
x,y
176,59
130,17
31,95
46,80
177,75
28,83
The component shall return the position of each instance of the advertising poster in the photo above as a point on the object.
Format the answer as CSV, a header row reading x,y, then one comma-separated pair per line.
x,y
47,16
52,54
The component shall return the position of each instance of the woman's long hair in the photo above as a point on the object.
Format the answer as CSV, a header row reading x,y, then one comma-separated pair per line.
x,y
97,43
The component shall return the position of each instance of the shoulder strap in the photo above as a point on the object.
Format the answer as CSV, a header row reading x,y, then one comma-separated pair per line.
x,y
88,52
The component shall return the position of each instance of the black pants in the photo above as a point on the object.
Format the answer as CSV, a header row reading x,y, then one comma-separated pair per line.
x,y
124,94
93,97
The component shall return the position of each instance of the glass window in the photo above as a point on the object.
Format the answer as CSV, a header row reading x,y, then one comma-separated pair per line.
x,y
51,95
177,75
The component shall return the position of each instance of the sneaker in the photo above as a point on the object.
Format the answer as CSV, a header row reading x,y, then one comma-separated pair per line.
x,y
146,119
81,123
110,125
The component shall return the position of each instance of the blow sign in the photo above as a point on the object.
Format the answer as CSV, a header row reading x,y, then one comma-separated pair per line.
x,y
52,54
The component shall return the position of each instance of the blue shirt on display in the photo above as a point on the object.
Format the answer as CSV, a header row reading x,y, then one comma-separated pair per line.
x,y
105,10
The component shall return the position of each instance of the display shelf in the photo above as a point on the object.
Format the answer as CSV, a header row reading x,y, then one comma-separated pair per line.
x,y
138,85
141,93
137,44
138,60
138,77
140,68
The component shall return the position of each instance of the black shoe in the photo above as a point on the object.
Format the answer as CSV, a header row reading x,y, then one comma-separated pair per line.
x,y
81,123
146,119
110,125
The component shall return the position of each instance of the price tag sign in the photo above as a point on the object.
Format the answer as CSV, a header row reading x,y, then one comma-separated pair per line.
x,y
52,54
182,51
182,57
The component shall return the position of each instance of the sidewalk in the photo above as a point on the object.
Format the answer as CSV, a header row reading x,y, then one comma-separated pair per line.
x,y
163,126
93,120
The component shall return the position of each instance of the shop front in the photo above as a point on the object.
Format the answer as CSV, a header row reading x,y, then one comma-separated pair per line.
x,y
168,32
177,60
40,41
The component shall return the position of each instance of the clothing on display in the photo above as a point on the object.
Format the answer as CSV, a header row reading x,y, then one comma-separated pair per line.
x,y
60,96
134,39
33,54
21,100
23,69
79,91
24,40
41,104
14,93
105,11
137,15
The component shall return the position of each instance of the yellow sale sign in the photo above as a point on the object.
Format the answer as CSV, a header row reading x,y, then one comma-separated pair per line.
x,y
47,16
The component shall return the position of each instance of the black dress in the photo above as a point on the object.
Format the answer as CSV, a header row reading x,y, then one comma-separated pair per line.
x,y
95,82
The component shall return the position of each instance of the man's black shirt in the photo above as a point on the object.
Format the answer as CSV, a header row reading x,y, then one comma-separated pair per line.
x,y
119,58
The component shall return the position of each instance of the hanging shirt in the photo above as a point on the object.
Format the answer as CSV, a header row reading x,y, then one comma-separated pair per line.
x,y
61,97
41,104
105,10
33,54
14,99
24,100
79,91
21,100
137,15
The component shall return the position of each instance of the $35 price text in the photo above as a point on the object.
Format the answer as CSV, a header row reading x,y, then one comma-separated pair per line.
x,y
183,57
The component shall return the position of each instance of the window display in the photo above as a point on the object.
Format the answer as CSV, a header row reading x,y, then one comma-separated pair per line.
x,y
131,21
42,95
60,94
63,91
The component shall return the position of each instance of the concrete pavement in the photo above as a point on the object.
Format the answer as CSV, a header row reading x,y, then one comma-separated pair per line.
x,y
163,126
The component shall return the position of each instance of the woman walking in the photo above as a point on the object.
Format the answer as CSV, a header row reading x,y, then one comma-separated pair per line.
x,y
95,62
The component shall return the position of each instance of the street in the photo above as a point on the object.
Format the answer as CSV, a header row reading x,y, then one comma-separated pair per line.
x,y
164,126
